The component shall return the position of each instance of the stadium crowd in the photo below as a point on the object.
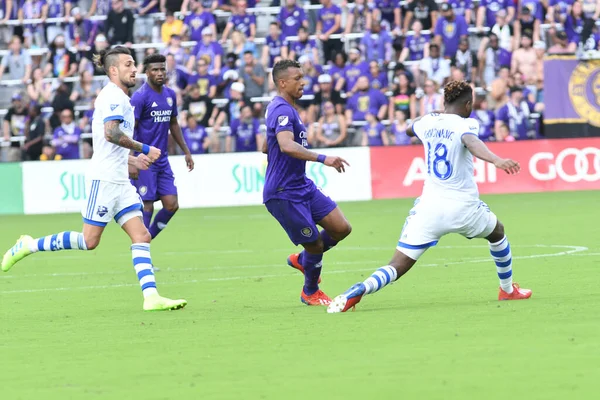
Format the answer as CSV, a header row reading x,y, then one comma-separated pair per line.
x,y
370,66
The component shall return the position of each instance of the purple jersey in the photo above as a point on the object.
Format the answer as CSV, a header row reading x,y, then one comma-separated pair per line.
x,y
195,138
451,32
492,7
244,134
461,6
153,112
84,32
197,22
377,46
56,8
213,49
291,20
563,7
416,46
286,176
274,46
369,101
380,81
400,136
32,9
515,118
204,82
242,23
574,28
66,141
303,48
486,120
375,134
153,9
354,71
336,73
535,7
327,17
387,7
13,12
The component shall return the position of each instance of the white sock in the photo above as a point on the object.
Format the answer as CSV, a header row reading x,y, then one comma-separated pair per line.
x,y
142,262
59,241
380,278
502,256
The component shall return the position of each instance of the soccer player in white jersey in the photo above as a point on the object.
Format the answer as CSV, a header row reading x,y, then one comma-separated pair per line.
x,y
110,193
450,199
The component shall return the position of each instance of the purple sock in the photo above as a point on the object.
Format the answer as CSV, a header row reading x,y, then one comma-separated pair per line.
x,y
160,222
147,215
312,271
328,244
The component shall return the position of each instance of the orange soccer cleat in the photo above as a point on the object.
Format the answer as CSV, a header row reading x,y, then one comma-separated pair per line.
x,y
293,262
517,293
318,298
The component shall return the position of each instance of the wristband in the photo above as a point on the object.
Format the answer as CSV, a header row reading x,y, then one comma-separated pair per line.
x,y
145,149
321,158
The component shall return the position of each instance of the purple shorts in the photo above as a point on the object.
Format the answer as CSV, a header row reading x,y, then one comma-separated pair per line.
x,y
300,219
155,182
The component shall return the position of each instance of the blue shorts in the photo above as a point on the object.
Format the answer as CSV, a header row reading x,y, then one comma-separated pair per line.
x,y
300,219
155,182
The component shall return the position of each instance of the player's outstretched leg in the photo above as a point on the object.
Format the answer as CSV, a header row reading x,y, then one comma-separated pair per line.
x,y
162,218
311,294
27,245
142,262
385,275
500,251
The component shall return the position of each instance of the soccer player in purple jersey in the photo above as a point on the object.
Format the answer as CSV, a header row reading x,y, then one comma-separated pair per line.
x,y
293,199
155,109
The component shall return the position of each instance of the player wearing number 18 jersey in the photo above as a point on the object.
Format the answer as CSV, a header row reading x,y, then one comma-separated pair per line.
x,y
450,200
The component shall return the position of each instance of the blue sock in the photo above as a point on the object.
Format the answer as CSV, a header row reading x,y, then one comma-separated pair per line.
x,y
328,244
147,216
142,262
59,241
380,278
312,270
160,222
502,256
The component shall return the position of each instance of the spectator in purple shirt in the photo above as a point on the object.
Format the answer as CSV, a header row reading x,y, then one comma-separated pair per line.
x,y
355,69
388,13
329,23
34,34
199,19
488,8
202,79
515,115
56,9
304,46
208,47
366,100
195,136
376,44
486,118
558,10
574,26
273,48
174,47
336,69
374,133
449,29
358,18
466,60
246,133
416,46
463,8
492,58
241,21
291,17
398,130
377,78
66,137
81,32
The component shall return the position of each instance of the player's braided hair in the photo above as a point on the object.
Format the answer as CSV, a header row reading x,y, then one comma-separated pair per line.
x,y
456,90
282,66
108,57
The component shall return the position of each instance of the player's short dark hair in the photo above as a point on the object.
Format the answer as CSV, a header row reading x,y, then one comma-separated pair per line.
x,y
109,57
458,91
281,67
154,58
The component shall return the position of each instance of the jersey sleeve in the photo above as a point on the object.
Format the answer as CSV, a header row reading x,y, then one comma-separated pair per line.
x,y
418,127
282,119
470,127
112,108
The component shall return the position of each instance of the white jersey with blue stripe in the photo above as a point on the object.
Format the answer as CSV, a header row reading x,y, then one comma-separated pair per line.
x,y
449,164
109,162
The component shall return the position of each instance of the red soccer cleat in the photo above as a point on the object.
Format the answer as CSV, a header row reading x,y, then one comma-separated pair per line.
x,y
293,262
318,298
517,293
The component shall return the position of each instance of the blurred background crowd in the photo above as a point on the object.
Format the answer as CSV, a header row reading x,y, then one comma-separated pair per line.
x,y
370,65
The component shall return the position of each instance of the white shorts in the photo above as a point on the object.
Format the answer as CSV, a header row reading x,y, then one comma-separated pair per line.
x,y
108,200
430,219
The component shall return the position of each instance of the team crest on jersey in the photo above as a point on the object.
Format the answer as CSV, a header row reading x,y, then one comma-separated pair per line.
x,y
170,101
143,190
283,120
306,232
102,211
113,106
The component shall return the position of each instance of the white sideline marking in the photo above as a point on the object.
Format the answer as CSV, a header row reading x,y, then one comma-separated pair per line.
x,y
572,250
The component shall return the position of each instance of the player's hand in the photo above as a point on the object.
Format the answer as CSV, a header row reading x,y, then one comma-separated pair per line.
x,y
153,154
189,161
134,172
509,166
337,163
142,162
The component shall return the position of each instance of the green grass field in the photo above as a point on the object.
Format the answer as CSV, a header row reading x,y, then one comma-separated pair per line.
x,y
72,327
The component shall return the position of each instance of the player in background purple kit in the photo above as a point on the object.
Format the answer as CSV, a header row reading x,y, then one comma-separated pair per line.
x,y
155,109
293,199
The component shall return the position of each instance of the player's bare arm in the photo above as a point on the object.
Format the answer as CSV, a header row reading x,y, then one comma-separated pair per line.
x,y
288,146
481,151
178,138
114,135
